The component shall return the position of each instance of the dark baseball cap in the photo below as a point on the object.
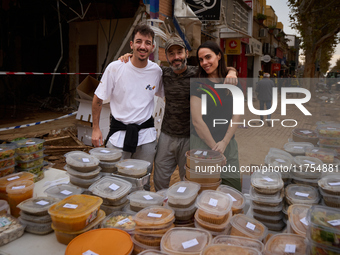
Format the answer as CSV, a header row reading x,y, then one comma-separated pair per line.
x,y
174,41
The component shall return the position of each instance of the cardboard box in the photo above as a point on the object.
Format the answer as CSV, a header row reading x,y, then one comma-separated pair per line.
x,y
87,88
85,112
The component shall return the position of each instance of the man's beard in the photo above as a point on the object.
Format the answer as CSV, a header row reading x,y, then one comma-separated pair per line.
x,y
177,68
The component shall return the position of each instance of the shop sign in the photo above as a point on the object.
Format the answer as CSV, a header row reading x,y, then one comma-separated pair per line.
x,y
249,3
206,10
256,45
233,47
266,58
276,66
279,53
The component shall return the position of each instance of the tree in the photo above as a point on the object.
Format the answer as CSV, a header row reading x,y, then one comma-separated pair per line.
x,y
317,21
326,52
337,66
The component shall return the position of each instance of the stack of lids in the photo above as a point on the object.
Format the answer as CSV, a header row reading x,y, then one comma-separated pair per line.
x,y
285,244
329,187
141,199
305,171
181,198
82,168
113,191
75,215
30,156
120,220
7,159
297,223
5,181
34,214
204,167
62,191
268,184
244,226
151,224
214,212
236,196
108,158
281,161
239,241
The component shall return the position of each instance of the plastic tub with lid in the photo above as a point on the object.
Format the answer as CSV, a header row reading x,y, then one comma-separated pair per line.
x,y
153,252
36,228
101,241
215,227
133,167
28,145
10,229
140,247
183,213
183,193
30,163
213,233
267,210
329,130
7,150
127,209
266,182
330,184
209,186
38,205
236,196
6,170
332,147
277,227
329,141
304,181
141,199
108,167
324,154
82,175
65,237
17,192
30,156
108,209
38,171
301,194
305,135
106,154
148,239
84,183
245,226
214,249
4,207
239,241
154,216
276,151
74,212
307,167
296,148
264,199
35,218
330,200
112,190
4,181
284,244
119,220
199,160
81,161
274,219
201,177
297,219
7,162
62,191
154,230
185,241
315,248
279,161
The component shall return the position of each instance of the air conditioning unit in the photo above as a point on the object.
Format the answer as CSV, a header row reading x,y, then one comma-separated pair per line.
x,y
263,33
249,50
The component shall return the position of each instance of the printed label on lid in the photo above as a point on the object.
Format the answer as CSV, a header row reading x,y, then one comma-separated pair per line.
x,y
126,220
304,221
300,194
250,226
280,160
154,215
198,152
148,197
4,222
334,183
329,128
232,198
181,189
30,143
205,153
306,131
104,151
190,243
298,147
114,187
42,202
290,248
129,166
71,206
213,202
1,149
66,192
334,222
89,252
86,160
268,179
13,178
315,150
19,187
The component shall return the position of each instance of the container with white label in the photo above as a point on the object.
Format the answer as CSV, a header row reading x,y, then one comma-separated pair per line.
x,y
214,203
119,220
183,194
141,199
245,226
267,182
330,184
133,167
297,148
301,194
201,159
154,216
82,175
81,161
37,206
285,244
62,191
106,154
297,219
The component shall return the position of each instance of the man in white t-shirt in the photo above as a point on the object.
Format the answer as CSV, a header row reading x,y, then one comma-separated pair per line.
x,y
131,88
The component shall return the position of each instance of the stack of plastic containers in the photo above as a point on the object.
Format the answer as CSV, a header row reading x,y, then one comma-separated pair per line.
x,y
75,215
214,212
301,194
7,160
181,241
4,181
285,244
113,191
204,167
181,198
4,207
323,231
141,199
10,229
17,192
229,249
236,196
120,220
305,135
35,216
245,226
108,158
327,156
329,136
297,148
281,162
82,168
30,156
305,171
329,187
297,223
151,224
267,184
62,191
239,241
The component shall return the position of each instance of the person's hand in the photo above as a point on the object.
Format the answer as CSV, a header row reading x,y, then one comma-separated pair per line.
x,y
220,146
97,138
231,78
125,58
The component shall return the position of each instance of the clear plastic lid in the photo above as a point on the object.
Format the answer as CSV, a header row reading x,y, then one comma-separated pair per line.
x,y
267,218
153,252
285,244
145,198
330,130
185,240
7,150
267,181
28,145
277,208
154,216
249,226
86,175
332,142
211,226
111,188
4,181
81,160
20,187
324,217
278,159
62,191
304,133
227,249
267,199
132,167
239,241
297,148
297,218
106,154
236,196
275,151
305,160
183,192
324,154
30,160
204,155
120,220
301,194
37,205
45,218
330,183
214,202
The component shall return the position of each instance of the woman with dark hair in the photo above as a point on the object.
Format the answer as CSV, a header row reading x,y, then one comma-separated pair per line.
x,y
204,134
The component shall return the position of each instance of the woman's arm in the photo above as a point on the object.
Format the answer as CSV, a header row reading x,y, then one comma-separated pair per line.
x,y
231,77
201,128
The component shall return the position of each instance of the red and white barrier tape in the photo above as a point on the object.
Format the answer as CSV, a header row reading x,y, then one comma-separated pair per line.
x,y
34,73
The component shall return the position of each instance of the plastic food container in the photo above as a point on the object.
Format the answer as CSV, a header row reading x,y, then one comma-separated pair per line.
x,y
17,192
297,219
202,177
139,247
285,243
185,241
266,200
7,150
267,210
81,161
119,220
275,151
305,135
133,167
82,175
242,225
329,141
154,215
330,184
141,199
36,219
236,196
305,181
66,237
84,183
266,183
296,148
112,190
108,167
301,194
6,170
36,228
7,162
62,191
277,227
4,207
183,214
183,194
108,209
152,252
148,239
209,186
215,227
30,156
4,181
74,212
239,241
213,233
215,249
107,240
30,163
315,248
330,200
28,145
325,155
306,167
329,130
332,147
274,219
106,154
154,230
280,161
10,229
199,160
38,172
37,206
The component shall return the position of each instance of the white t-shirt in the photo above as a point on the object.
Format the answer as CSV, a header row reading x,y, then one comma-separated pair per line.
x,y
131,92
